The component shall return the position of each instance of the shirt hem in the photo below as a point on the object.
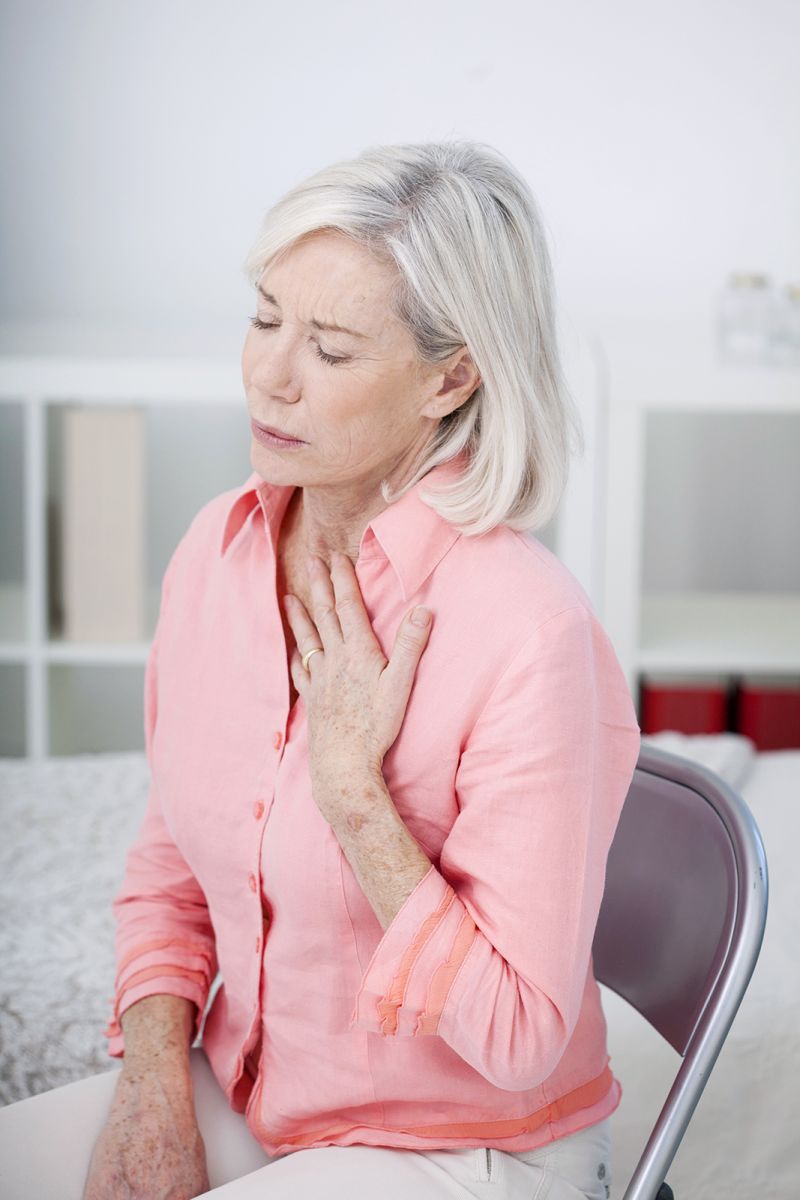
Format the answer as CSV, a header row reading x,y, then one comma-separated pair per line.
x,y
584,1106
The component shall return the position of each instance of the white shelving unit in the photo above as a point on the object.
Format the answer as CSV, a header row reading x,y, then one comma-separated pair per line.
x,y
727,632
26,639
104,710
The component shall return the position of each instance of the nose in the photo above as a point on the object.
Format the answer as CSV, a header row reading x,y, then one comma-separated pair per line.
x,y
269,368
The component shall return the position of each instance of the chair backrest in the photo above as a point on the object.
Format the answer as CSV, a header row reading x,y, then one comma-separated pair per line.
x,y
681,926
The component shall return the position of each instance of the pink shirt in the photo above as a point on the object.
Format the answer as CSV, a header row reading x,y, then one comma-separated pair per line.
x,y
474,1018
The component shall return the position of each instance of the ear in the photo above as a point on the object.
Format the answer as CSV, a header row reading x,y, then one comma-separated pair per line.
x,y
460,378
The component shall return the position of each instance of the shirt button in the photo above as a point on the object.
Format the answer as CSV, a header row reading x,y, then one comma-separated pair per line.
x,y
277,739
251,880
258,809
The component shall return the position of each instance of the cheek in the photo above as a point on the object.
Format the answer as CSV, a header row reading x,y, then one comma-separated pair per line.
x,y
375,400
248,353
344,404
370,428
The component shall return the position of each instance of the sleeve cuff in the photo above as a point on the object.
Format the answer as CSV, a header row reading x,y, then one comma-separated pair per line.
x,y
405,986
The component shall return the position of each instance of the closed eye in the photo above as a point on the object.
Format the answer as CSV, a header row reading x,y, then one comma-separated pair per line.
x,y
257,323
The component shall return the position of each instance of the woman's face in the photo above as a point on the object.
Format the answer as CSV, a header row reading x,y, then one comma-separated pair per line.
x,y
360,415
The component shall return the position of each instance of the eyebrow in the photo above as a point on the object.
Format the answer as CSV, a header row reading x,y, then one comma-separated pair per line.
x,y
312,322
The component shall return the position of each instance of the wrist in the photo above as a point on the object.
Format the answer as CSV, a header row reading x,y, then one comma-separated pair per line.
x,y
345,774
145,1089
170,1074
170,1058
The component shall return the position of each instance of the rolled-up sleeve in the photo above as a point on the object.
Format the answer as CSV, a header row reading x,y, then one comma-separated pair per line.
x,y
491,950
164,938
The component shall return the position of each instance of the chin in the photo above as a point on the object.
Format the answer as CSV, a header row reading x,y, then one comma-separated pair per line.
x,y
271,467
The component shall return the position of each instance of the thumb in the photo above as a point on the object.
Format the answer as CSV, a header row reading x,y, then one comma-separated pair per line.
x,y
409,643
420,617
413,632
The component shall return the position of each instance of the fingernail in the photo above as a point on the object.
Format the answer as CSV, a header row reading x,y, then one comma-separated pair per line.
x,y
421,616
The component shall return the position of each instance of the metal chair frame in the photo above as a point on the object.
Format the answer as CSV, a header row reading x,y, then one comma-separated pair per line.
x,y
680,928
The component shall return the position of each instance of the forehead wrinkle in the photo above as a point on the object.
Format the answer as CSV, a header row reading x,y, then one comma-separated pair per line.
x,y
314,323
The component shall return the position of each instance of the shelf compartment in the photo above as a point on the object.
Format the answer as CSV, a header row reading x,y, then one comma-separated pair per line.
x,y
95,708
732,632
13,707
13,594
768,712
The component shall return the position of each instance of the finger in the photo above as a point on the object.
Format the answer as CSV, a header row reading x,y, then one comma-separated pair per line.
x,y
323,601
299,676
409,643
305,631
353,616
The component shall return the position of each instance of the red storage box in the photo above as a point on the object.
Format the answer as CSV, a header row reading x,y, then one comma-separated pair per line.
x,y
768,711
685,705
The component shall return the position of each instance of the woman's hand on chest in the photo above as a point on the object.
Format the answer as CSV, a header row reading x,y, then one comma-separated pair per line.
x,y
355,698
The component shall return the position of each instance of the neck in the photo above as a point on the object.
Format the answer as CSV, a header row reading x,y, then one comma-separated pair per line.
x,y
325,520
334,517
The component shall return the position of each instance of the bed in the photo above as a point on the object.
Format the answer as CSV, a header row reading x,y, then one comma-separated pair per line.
x,y
67,823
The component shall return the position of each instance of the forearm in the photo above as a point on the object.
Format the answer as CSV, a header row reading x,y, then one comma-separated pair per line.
x,y
386,858
158,1032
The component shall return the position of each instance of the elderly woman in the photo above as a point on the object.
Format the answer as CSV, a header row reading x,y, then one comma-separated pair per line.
x,y
389,739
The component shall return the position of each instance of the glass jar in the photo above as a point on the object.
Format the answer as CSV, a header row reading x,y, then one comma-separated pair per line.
x,y
786,326
745,320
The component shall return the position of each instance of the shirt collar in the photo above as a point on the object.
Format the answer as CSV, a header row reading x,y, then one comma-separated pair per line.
x,y
408,532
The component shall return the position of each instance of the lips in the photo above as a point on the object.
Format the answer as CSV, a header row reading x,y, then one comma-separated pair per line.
x,y
277,432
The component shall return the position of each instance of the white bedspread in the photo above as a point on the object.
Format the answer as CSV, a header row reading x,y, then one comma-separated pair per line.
x,y
66,827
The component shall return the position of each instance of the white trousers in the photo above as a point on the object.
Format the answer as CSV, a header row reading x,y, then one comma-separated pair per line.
x,y
46,1142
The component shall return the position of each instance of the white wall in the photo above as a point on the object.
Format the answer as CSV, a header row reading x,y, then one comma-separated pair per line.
x,y
141,144
722,502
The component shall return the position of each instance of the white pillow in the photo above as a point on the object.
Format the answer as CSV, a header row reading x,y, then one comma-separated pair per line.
x,y
729,755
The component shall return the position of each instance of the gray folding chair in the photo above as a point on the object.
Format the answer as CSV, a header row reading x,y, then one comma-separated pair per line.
x,y
680,928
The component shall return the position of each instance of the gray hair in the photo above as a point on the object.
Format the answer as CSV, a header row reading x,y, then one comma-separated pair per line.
x,y
464,232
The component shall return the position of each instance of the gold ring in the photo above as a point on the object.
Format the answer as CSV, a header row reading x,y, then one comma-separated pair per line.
x,y
306,657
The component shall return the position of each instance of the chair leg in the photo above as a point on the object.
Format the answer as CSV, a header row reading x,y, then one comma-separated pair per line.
x,y
665,1192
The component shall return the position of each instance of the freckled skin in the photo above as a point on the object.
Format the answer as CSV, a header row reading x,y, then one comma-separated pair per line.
x,y
151,1147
